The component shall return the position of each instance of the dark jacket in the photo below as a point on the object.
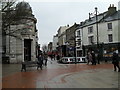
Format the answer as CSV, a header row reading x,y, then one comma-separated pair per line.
x,y
115,58
93,56
40,60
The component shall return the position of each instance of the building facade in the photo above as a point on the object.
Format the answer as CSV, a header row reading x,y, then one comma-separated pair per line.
x,y
62,35
71,40
62,40
102,35
79,50
50,46
21,36
55,42
100,32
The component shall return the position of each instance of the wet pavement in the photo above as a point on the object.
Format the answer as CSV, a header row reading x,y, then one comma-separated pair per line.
x,y
61,76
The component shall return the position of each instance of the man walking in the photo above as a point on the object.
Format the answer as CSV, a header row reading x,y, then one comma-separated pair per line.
x,y
93,58
115,61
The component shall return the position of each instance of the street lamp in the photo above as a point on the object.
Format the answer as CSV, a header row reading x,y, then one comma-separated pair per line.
x,y
75,49
97,28
96,16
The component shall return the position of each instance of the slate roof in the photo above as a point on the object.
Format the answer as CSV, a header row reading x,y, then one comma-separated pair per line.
x,y
103,17
115,16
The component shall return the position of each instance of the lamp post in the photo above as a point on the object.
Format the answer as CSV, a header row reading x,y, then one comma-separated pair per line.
x,y
97,28
75,49
96,18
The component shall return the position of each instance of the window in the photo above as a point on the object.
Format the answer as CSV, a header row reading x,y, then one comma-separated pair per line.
x,y
90,29
78,41
78,33
110,38
109,26
91,39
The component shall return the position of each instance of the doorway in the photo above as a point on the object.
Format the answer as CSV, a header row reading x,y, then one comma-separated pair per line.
x,y
27,49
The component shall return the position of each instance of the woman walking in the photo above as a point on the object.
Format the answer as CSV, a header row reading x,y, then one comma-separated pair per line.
x,y
40,61
89,57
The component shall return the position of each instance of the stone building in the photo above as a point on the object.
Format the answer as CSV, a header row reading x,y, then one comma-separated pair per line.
x,y
55,42
102,35
71,40
21,36
50,46
62,35
62,40
78,34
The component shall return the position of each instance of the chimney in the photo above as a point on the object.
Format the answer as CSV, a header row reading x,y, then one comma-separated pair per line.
x,y
81,23
75,23
89,16
111,10
112,5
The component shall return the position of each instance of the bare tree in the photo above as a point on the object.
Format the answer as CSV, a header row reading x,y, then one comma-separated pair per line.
x,y
7,4
7,13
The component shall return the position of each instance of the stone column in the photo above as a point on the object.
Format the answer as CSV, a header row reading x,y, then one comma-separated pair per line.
x,y
33,49
22,49
0,50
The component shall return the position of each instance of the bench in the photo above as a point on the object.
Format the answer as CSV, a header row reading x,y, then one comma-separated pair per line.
x,y
29,64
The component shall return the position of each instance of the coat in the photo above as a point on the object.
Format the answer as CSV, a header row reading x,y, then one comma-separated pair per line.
x,y
115,58
40,60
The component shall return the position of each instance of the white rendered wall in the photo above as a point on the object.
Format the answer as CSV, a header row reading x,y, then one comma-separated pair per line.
x,y
102,33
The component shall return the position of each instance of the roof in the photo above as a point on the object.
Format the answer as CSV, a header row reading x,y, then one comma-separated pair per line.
x,y
103,17
92,20
23,5
115,16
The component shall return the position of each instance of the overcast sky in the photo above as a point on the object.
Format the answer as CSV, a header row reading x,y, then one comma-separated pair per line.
x,y
51,14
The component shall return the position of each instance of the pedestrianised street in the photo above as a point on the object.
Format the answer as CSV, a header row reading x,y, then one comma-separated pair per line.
x,y
56,75
71,45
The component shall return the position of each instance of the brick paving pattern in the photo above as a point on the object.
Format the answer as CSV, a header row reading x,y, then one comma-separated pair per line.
x,y
61,76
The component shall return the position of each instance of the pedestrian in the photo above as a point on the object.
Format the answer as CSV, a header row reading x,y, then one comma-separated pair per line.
x,y
89,58
46,59
93,58
115,61
54,56
51,56
40,61
58,57
98,58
